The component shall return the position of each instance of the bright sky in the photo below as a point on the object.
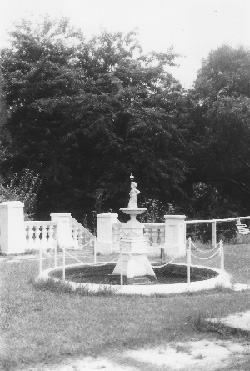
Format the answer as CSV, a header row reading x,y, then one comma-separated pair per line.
x,y
193,27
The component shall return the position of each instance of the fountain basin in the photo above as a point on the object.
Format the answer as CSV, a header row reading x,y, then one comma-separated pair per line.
x,y
133,211
221,278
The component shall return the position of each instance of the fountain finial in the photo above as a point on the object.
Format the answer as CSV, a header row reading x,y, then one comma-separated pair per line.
x,y
133,194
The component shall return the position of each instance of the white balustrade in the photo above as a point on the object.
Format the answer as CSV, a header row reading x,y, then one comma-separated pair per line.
x,y
153,232
40,234
155,235
82,238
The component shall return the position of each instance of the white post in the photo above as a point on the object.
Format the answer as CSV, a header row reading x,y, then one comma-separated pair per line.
x,y
40,259
222,255
55,255
95,250
121,278
189,260
63,229
104,232
163,260
12,239
214,234
175,235
63,268
38,242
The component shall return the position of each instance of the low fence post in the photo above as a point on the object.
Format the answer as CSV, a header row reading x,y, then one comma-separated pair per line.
x,y
63,268
40,260
121,264
95,250
189,260
222,255
55,255
163,260
214,233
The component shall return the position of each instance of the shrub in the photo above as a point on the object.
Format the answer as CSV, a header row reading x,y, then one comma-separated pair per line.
x,y
22,187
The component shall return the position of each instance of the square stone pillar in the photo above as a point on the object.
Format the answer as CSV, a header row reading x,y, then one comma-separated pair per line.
x,y
12,239
63,229
175,235
104,242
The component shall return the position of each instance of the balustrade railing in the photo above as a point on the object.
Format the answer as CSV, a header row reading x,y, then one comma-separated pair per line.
x,y
155,233
81,236
40,234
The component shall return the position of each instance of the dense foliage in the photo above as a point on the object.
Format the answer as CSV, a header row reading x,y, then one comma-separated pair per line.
x,y
220,123
85,114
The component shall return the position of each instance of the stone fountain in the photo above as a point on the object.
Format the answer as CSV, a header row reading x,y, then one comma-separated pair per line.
x,y
133,261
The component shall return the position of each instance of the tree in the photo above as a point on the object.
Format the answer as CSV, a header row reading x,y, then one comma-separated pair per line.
x,y
85,114
226,72
3,113
22,187
221,123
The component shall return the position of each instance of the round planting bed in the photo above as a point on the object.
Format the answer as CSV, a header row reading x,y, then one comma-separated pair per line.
x,y
171,278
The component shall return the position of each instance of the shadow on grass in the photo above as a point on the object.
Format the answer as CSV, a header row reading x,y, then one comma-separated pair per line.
x,y
211,323
59,286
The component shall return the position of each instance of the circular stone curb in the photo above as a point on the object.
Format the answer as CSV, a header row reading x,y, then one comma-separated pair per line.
x,y
222,279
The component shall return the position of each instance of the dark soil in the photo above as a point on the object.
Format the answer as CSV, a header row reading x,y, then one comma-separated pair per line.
x,y
169,274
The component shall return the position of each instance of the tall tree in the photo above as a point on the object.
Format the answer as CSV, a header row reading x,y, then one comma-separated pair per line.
x,y
3,111
85,114
221,122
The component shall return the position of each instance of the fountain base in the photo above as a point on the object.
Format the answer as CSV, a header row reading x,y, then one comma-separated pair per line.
x,y
134,266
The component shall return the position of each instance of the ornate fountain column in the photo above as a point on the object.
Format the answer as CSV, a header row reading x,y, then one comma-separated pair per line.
x,y
133,261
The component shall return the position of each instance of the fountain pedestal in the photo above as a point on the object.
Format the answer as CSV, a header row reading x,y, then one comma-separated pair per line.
x,y
133,261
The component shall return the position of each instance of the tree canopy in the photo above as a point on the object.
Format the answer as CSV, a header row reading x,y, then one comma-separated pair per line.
x,y
221,128
84,114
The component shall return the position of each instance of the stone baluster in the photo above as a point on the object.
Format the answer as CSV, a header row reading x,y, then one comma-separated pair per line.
x,y
150,235
147,235
29,235
50,235
161,236
37,236
84,238
44,241
32,235
154,235
74,235
26,235
81,239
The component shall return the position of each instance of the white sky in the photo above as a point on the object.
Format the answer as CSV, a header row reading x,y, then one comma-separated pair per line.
x,y
193,27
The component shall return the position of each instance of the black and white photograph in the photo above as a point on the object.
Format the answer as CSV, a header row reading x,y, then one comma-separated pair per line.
x,y
125,185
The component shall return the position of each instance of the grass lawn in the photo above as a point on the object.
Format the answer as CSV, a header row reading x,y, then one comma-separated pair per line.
x,y
45,327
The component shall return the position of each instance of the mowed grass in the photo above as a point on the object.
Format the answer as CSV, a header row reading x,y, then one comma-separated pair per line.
x,y
46,327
